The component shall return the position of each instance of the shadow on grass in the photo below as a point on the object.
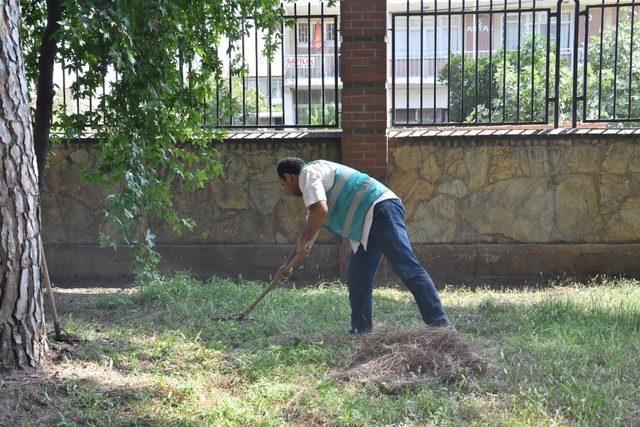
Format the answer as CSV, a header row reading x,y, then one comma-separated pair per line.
x,y
86,394
573,351
184,306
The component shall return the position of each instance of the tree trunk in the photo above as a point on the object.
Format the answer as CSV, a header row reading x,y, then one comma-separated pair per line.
x,y
44,89
23,341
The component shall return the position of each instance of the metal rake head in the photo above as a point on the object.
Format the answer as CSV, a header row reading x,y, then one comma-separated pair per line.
x,y
235,317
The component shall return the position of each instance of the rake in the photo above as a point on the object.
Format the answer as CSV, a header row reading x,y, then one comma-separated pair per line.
x,y
243,315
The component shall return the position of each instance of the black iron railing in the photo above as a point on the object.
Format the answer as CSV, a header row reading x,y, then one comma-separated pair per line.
x,y
306,86
508,62
299,88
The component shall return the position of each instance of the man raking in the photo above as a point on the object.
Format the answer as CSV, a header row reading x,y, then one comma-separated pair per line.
x,y
353,205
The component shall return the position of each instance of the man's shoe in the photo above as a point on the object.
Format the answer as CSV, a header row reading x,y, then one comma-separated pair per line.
x,y
446,323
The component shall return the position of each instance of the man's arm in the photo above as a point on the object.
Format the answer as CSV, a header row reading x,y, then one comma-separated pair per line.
x,y
315,220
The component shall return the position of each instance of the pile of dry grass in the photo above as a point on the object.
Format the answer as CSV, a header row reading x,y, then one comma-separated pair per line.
x,y
396,360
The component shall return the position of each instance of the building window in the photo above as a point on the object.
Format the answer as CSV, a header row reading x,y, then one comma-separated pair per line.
x,y
429,35
414,36
443,36
276,91
303,33
566,35
329,28
526,23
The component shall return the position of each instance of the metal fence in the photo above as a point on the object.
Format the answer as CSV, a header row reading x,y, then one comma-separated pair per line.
x,y
303,91
452,62
298,88
506,62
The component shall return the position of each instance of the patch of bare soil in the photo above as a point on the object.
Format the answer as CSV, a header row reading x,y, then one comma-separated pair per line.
x,y
53,394
395,360
73,299
35,396
56,393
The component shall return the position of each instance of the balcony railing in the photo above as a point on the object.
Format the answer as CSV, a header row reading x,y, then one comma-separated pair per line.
x,y
304,66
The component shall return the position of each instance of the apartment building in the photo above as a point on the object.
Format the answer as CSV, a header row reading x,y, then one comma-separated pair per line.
x,y
304,74
420,46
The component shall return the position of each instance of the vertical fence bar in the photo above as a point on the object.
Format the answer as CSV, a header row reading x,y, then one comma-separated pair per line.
x,y
295,60
477,36
203,106
407,70
464,57
335,69
309,59
504,63
490,60
393,69
283,67
449,16
322,58
556,119
217,74
421,56
600,66
585,63
533,59
64,83
548,70
255,34
244,78
518,61
269,90
230,88
435,61
576,22
633,14
615,60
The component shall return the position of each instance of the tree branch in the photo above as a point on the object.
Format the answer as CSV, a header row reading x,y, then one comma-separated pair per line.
x,y
44,88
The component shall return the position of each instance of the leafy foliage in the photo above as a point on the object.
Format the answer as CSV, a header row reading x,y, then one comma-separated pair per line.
x,y
457,111
316,114
613,75
504,85
233,106
149,127
608,84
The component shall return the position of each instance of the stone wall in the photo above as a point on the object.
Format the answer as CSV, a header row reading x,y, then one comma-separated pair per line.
x,y
479,209
245,224
472,197
579,190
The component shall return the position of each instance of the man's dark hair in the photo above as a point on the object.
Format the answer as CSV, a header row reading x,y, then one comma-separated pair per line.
x,y
292,165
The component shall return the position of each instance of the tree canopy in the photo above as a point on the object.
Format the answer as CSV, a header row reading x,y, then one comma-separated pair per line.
x,y
504,85
149,128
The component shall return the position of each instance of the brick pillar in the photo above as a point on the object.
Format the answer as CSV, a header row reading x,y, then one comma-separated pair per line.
x,y
363,69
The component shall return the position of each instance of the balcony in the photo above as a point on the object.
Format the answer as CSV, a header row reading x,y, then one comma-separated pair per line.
x,y
317,67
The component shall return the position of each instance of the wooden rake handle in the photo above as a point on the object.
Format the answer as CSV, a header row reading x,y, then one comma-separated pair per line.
x,y
268,289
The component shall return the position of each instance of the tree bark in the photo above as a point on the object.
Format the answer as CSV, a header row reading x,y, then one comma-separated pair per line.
x,y
44,89
23,341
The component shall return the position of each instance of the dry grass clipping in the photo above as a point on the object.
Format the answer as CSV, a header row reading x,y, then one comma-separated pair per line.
x,y
395,360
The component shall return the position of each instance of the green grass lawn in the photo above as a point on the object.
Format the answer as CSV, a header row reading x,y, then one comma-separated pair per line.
x,y
565,354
